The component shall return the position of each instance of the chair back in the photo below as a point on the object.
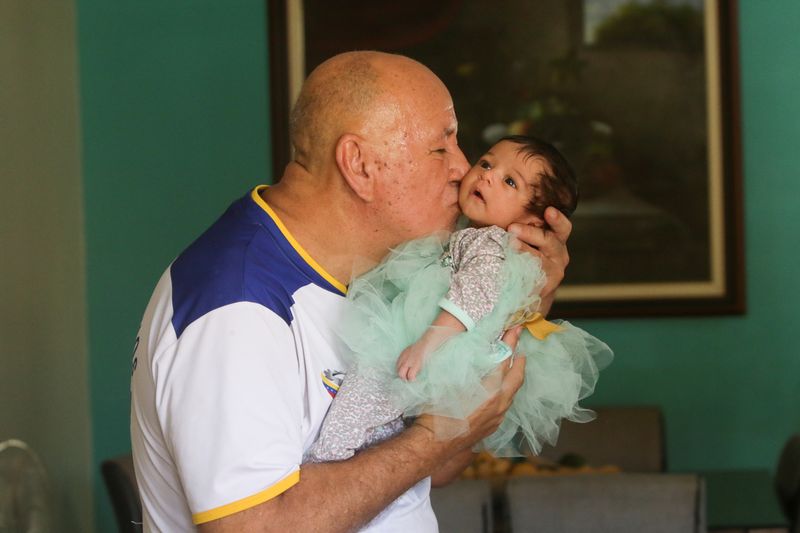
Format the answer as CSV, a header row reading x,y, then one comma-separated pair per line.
x,y
607,503
120,480
464,506
787,481
631,438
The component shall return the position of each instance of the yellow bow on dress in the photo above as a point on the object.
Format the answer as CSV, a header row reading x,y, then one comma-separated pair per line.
x,y
541,328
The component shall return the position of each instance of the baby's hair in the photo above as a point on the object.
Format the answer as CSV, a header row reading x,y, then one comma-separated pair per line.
x,y
558,186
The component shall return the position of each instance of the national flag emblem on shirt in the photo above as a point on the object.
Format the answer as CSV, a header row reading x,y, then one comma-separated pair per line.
x,y
332,380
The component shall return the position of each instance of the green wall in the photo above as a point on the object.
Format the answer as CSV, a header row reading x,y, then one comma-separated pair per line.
x,y
44,397
175,126
174,111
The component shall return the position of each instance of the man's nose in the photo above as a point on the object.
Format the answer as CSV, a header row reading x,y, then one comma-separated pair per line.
x,y
459,165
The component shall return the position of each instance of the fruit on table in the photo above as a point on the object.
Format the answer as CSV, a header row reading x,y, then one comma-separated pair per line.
x,y
486,466
523,469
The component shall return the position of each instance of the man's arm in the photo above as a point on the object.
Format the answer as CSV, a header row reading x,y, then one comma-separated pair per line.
x,y
342,496
449,472
551,246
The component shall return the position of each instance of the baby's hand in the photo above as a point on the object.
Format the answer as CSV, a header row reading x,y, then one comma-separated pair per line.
x,y
410,362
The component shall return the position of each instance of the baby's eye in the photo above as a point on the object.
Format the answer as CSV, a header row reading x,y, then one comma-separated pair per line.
x,y
510,181
484,164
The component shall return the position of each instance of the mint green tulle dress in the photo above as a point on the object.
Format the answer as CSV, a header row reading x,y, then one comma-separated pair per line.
x,y
392,305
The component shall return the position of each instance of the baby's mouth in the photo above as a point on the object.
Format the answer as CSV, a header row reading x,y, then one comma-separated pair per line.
x,y
478,194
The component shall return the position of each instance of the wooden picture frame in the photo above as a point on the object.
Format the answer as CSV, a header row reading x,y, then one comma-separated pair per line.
x,y
649,118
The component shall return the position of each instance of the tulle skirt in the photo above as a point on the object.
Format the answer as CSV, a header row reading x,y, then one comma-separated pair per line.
x,y
392,305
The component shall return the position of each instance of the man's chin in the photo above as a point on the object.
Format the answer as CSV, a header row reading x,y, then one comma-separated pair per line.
x,y
457,221
460,222
448,227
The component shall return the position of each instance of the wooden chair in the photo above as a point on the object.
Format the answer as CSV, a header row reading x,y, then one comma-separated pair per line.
x,y
607,503
464,506
120,480
631,438
787,482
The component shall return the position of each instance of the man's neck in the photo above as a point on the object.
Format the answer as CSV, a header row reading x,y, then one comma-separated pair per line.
x,y
335,234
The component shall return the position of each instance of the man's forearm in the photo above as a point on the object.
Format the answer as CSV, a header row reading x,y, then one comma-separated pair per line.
x,y
342,496
449,471
338,497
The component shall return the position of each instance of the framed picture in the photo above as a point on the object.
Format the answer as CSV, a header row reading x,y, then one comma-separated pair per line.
x,y
642,96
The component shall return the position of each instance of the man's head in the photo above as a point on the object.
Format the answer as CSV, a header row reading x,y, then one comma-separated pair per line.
x,y
384,126
515,181
335,99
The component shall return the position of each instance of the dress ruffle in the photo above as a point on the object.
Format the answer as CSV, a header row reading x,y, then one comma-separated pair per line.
x,y
392,305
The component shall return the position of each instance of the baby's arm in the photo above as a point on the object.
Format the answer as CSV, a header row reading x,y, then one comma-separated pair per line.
x,y
411,360
477,256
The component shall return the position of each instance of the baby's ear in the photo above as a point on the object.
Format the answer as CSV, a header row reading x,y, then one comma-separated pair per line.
x,y
532,220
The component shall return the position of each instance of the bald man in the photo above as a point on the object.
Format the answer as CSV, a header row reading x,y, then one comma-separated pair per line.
x,y
237,358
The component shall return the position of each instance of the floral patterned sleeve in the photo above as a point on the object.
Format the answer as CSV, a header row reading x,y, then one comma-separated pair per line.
x,y
477,258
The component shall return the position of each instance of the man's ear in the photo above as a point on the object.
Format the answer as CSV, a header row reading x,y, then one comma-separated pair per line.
x,y
353,163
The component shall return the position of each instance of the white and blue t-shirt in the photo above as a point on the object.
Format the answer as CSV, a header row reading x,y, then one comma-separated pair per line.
x,y
236,365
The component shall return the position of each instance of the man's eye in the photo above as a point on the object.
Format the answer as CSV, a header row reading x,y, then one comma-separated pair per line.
x,y
441,151
510,181
484,164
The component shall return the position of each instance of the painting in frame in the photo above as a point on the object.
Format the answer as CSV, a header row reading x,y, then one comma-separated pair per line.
x,y
642,96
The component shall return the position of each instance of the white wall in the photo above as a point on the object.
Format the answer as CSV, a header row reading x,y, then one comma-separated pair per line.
x,y
43,359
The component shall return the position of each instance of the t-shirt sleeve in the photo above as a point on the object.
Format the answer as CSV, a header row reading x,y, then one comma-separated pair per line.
x,y
478,256
231,411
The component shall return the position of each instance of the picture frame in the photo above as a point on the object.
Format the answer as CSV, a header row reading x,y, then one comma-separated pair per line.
x,y
650,119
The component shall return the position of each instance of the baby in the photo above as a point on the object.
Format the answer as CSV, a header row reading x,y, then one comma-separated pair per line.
x,y
514,182
424,325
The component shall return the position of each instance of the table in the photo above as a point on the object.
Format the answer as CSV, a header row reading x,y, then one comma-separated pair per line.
x,y
742,500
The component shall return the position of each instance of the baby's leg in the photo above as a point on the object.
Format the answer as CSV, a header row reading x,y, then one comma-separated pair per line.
x,y
360,415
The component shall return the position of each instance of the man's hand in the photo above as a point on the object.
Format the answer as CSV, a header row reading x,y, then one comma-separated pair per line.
x,y
551,246
487,417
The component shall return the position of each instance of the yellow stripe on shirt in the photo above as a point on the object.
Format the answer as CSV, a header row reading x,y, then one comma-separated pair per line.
x,y
248,502
256,195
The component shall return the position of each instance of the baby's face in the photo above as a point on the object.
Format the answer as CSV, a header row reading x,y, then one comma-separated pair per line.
x,y
496,190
